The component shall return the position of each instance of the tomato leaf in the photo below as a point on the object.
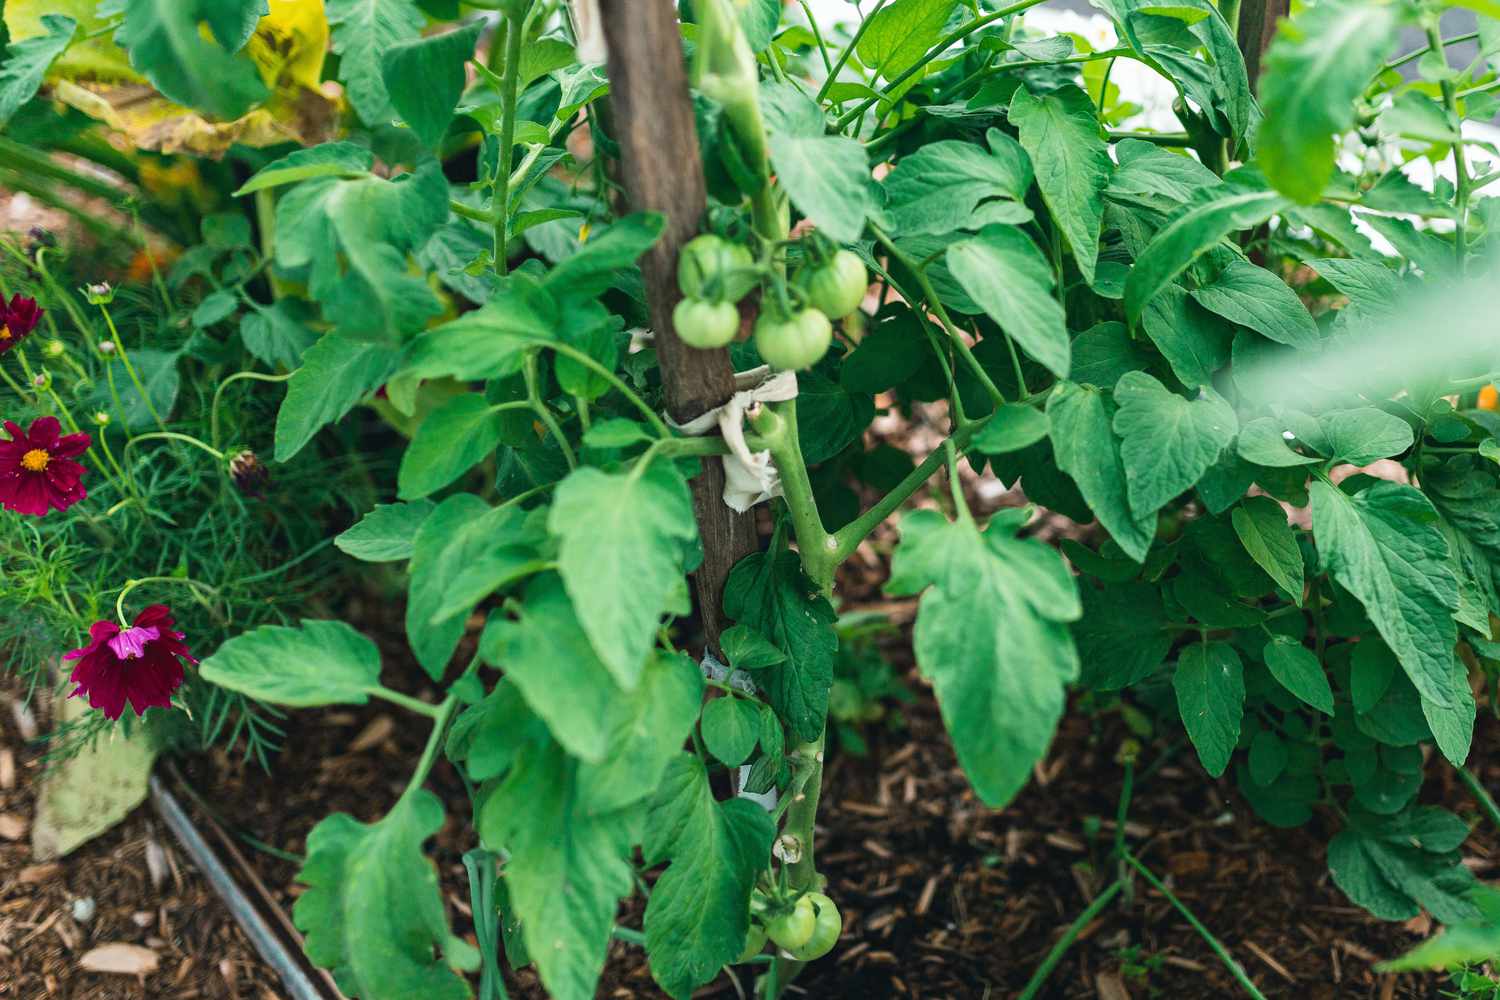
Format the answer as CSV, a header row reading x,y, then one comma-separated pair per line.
x,y
363,30
387,533
373,912
699,911
623,540
991,635
1088,451
1060,131
319,663
1003,271
1210,686
26,62
1167,442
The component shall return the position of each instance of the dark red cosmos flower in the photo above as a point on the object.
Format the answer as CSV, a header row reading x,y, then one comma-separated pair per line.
x,y
17,320
37,471
138,664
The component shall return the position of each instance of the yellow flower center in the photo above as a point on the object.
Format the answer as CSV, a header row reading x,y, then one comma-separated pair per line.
x,y
35,460
4,332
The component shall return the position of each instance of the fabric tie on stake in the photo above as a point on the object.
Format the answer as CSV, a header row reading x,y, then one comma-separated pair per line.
x,y
749,477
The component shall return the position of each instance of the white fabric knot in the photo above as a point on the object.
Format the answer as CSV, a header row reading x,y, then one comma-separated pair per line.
x,y
749,477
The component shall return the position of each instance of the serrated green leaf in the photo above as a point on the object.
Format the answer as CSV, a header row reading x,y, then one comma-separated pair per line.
x,y
26,62
462,538
826,176
567,869
1254,297
318,663
747,649
336,374
1013,427
1060,131
450,441
1263,529
1210,686
775,597
1214,213
1167,442
373,912
1315,69
166,45
1088,451
1195,342
353,236
386,533
276,335
731,728
1296,668
901,33
1007,276
424,78
1381,864
699,912
1122,636
363,30
1384,546
649,727
332,159
950,185
623,538
991,635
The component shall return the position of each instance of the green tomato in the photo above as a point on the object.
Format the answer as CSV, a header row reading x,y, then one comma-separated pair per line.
x,y
705,324
707,269
797,341
826,930
838,286
755,943
793,928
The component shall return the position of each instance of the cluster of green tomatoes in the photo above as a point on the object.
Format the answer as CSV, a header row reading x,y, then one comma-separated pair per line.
x,y
794,328
806,927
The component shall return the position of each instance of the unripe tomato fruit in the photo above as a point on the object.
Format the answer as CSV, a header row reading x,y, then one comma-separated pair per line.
x,y
838,286
706,266
754,944
826,930
796,341
704,324
794,928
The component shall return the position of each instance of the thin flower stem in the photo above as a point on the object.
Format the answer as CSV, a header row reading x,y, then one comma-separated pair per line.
x,y
16,386
1001,68
199,589
72,424
1218,949
135,377
170,436
213,410
544,413
1400,61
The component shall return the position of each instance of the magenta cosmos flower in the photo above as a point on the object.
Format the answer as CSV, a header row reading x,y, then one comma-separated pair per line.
x,y
17,320
37,471
139,664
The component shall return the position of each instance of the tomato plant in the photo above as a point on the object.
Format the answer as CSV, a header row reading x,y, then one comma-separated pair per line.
x,y
472,230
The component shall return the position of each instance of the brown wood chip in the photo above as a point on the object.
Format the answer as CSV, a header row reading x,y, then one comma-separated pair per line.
x,y
13,827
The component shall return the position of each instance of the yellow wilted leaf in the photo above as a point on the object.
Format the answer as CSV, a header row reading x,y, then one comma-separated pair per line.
x,y
289,47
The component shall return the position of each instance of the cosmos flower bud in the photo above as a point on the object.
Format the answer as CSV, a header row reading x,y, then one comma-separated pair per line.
x,y
42,380
101,418
106,347
100,294
250,477
54,348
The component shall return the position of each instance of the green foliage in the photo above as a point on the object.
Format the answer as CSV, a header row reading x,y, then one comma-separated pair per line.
x,y
1163,337
166,45
372,883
